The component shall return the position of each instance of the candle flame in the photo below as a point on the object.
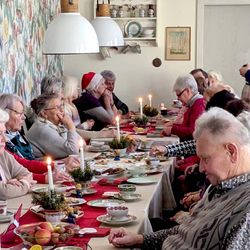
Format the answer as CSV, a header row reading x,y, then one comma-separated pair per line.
x,y
117,118
81,143
149,96
48,161
140,99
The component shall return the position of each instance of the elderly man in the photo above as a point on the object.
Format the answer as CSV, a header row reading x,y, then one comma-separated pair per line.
x,y
186,90
221,219
15,180
110,79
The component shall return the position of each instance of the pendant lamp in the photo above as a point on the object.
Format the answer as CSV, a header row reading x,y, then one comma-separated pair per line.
x,y
108,31
70,33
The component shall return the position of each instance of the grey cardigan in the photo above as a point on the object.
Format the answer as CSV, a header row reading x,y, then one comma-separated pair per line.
x,y
48,139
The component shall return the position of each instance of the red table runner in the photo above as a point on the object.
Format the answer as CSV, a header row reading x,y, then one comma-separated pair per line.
x,y
87,220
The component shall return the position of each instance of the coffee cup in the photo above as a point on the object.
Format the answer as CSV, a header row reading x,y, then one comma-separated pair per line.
x,y
3,207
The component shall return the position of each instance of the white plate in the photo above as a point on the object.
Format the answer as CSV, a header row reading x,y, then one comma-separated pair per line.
x,y
128,197
106,219
99,149
6,218
74,201
105,203
133,29
38,190
85,191
141,180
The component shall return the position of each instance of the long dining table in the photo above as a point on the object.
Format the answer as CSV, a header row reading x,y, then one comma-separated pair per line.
x,y
155,198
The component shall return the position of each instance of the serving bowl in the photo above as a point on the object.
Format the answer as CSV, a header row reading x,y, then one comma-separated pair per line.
x,y
127,188
45,233
118,213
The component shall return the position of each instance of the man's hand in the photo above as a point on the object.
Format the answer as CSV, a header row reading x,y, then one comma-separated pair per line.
x,y
120,237
158,150
71,163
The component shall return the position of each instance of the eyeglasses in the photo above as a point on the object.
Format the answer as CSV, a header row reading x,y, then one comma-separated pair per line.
x,y
57,107
17,112
180,94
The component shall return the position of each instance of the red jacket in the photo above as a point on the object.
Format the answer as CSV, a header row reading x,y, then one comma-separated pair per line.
x,y
37,168
186,129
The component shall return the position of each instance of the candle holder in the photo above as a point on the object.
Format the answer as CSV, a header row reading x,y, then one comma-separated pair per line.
x,y
82,176
141,121
150,111
50,201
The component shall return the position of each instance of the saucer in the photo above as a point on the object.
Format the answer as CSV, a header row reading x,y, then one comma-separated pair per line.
x,y
85,191
105,219
6,218
128,197
121,219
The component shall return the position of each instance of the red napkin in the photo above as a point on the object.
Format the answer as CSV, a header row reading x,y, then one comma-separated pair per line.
x,y
9,237
115,182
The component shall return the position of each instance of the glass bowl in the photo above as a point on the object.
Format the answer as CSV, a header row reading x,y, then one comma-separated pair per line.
x,y
45,233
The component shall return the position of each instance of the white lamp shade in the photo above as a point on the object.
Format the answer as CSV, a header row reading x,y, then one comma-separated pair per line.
x,y
70,33
108,32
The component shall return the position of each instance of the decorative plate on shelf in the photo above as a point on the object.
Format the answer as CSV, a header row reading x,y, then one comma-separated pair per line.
x,y
133,29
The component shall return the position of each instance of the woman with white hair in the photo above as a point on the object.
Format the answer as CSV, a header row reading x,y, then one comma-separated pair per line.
x,y
186,90
53,132
96,102
15,180
70,93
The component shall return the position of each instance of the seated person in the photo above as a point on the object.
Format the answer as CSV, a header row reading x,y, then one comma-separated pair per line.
x,y
15,180
96,102
187,92
53,133
110,79
201,78
70,93
223,145
245,72
17,143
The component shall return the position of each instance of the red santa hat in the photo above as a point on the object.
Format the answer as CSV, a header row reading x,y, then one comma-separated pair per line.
x,y
91,80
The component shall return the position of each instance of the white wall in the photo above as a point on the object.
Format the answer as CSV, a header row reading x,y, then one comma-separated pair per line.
x,y
226,48
136,76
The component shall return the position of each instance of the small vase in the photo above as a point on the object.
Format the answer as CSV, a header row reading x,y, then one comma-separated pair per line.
x,y
54,215
120,152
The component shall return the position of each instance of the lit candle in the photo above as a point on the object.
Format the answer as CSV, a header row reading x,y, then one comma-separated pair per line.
x,y
140,101
150,100
117,118
50,177
81,154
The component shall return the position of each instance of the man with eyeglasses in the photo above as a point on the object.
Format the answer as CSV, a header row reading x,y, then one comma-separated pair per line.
x,y
186,90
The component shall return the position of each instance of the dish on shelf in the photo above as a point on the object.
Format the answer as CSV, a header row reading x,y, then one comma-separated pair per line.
x,y
133,29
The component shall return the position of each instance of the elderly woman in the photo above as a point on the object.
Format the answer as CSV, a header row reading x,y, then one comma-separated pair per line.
x,y
17,143
96,102
53,132
51,85
15,180
70,93
223,145
110,79
186,90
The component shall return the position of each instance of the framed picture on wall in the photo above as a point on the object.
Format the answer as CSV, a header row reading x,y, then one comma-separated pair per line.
x,y
178,43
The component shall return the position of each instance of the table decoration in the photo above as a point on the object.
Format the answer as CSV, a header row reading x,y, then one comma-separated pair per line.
x,y
118,128
150,111
141,121
50,177
120,147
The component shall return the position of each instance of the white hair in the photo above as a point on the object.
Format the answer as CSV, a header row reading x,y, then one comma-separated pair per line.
x,y
244,118
222,126
4,116
7,101
70,86
215,75
185,81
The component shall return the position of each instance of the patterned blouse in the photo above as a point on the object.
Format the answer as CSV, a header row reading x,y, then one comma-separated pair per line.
x,y
185,148
221,220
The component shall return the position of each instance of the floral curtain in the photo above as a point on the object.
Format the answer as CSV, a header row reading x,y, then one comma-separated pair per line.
x,y
22,64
